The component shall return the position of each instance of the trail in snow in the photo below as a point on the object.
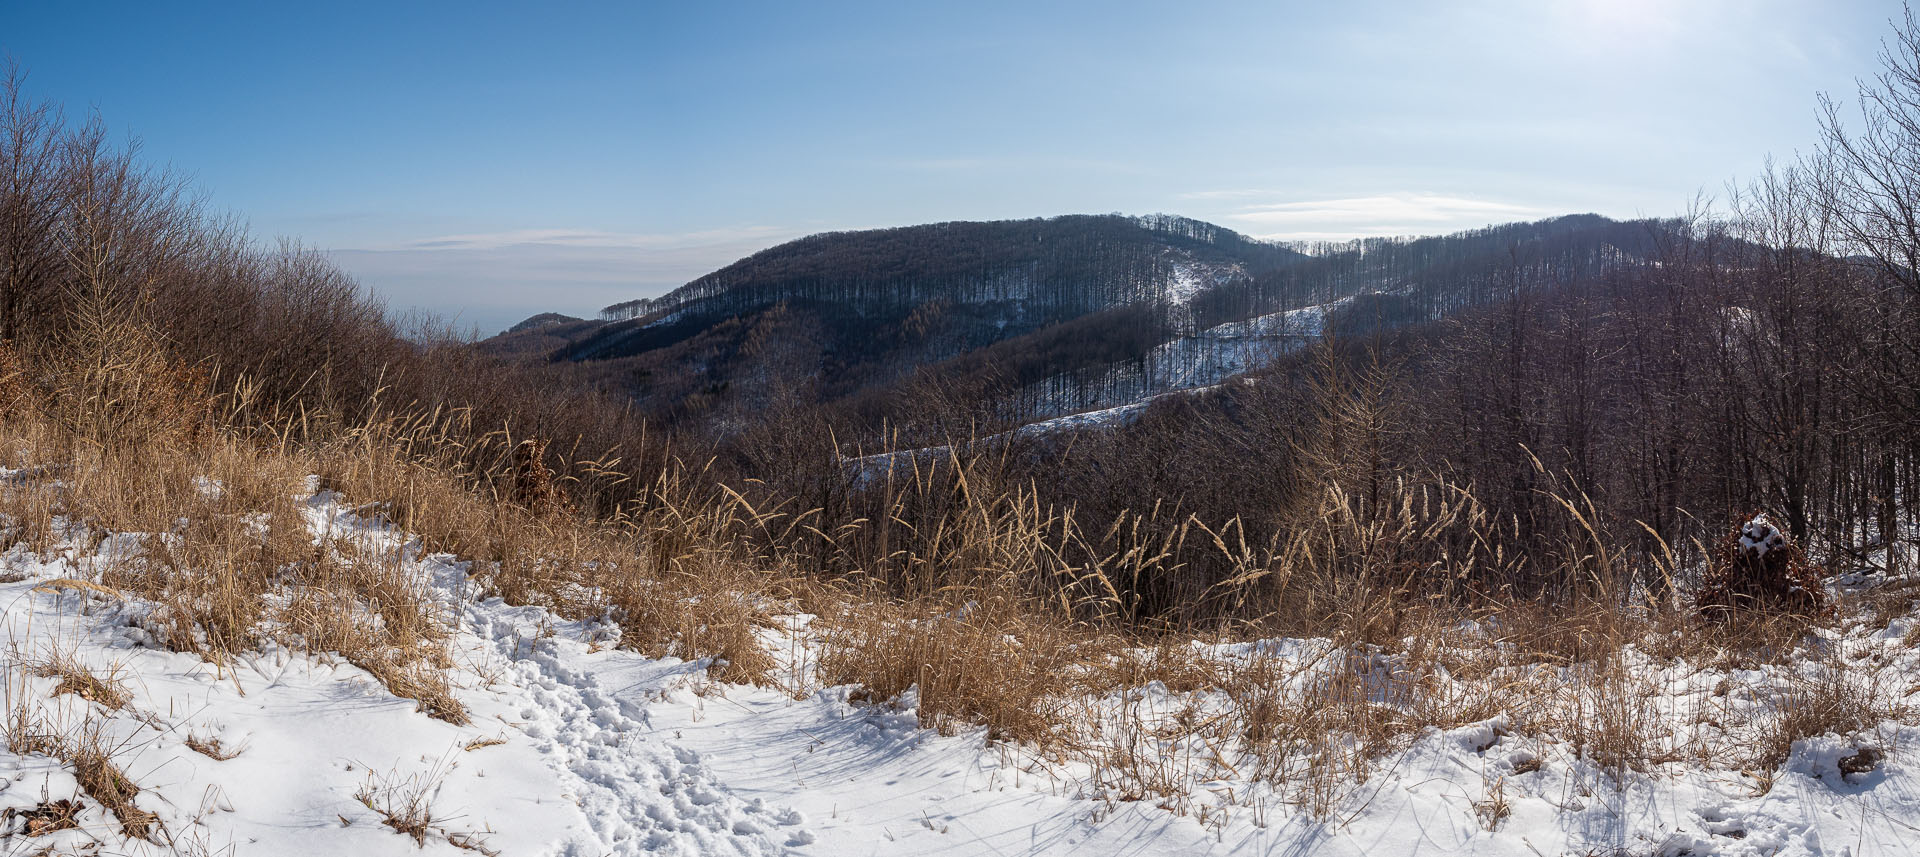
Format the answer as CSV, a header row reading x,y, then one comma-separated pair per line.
x,y
578,748
636,792
551,764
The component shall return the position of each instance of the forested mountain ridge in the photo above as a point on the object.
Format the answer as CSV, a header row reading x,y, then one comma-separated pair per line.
x,y
1013,321
837,313
1057,266
1353,287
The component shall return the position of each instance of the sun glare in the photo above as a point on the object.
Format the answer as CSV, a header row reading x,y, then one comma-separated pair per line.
x,y
1614,22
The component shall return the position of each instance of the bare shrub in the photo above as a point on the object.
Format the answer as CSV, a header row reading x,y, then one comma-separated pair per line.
x,y
1759,568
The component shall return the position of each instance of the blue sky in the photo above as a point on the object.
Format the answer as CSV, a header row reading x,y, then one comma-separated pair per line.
x,y
486,161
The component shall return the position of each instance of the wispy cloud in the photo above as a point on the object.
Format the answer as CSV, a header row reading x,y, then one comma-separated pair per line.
x,y
1229,194
1389,214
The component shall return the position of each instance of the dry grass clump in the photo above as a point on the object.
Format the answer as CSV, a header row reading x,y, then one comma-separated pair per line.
x,y
211,747
361,602
693,618
1313,729
1827,697
92,760
987,661
1751,639
410,663
107,691
666,568
1616,720
406,804
1893,600
1493,806
48,817
85,746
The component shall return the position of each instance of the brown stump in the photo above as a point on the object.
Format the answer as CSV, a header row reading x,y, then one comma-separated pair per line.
x,y
1760,568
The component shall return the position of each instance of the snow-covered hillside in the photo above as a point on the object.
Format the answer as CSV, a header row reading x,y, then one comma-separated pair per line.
x,y
1225,350
578,747
1190,362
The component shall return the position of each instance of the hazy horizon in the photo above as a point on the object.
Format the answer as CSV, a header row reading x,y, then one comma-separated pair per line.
x,y
486,163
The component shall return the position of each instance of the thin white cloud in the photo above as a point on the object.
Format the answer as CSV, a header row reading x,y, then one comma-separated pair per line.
x,y
1229,194
1388,214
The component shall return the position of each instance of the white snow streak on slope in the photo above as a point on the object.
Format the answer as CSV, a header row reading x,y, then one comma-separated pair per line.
x,y
1192,364
1225,350
1201,360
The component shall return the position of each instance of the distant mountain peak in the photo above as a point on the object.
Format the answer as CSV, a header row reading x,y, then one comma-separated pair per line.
x,y
544,319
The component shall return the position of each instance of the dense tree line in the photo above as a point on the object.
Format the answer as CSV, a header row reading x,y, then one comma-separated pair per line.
x,y
1369,283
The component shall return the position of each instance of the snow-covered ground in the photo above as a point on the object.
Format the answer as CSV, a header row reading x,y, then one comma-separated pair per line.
x,y
577,747
1203,359
1225,350
1191,278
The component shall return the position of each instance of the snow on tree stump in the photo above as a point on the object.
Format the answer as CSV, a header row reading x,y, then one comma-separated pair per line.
x,y
1759,568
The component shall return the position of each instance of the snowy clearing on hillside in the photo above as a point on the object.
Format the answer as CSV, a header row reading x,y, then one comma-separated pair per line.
x,y
1225,350
577,747
1191,362
1191,278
